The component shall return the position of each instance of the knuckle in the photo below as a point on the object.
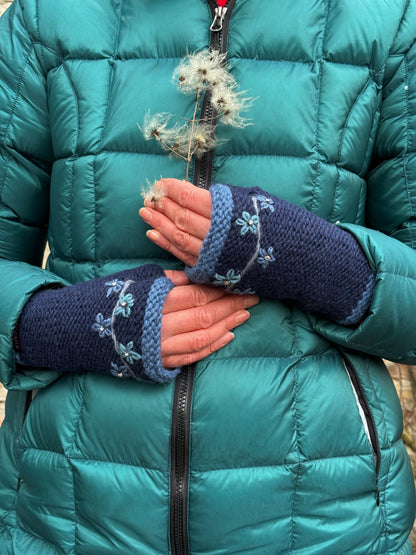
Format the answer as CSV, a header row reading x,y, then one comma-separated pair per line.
x,y
182,218
206,317
186,359
200,296
214,347
181,239
199,341
185,197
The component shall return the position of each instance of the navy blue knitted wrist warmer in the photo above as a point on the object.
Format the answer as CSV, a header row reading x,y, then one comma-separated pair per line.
x,y
109,325
261,244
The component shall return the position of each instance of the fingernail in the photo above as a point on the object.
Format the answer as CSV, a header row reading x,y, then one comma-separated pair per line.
x,y
251,301
229,336
145,214
153,235
242,317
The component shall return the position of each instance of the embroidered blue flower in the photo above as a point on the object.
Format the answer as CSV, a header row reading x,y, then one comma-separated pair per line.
x,y
126,352
248,223
102,325
266,203
119,371
230,279
114,286
265,257
125,302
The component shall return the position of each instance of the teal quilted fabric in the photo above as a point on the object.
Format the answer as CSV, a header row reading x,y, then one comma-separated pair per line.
x,y
280,458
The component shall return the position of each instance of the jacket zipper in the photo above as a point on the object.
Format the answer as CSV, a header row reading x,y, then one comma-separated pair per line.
x,y
179,456
368,416
182,398
221,13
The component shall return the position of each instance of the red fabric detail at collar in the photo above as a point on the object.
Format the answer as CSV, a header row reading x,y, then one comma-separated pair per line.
x,y
221,3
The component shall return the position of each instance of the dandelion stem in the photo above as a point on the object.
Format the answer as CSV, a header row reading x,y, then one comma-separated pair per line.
x,y
191,136
171,149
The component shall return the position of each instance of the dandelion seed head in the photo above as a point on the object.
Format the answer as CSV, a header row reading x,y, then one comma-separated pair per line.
x,y
202,70
204,139
153,191
230,104
154,125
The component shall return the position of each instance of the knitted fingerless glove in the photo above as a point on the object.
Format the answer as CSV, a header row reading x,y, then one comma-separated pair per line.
x,y
261,244
109,325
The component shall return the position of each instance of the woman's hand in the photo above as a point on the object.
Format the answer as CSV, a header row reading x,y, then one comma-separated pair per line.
x,y
180,219
197,320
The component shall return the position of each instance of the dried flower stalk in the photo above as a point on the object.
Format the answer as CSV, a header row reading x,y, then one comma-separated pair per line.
x,y
196,74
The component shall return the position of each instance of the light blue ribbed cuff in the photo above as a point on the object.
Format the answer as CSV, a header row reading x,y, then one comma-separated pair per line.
x,y
151,355
222,209
362,305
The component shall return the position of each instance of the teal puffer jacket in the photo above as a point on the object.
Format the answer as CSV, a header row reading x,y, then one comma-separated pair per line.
x,y
287,440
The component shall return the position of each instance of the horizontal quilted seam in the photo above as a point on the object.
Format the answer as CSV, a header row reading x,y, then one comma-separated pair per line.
x,y
303,461
73,551
74,459
117,58
309,157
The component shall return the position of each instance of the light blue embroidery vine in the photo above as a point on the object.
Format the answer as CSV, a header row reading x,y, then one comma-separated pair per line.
x,y
126,352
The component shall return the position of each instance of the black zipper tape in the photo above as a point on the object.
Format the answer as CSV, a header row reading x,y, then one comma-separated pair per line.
x,y
179,477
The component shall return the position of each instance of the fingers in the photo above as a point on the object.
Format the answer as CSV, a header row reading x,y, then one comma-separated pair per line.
x,y
197,320
165,244
198,340
204,317
177,277
180,219
190,296
187,195
173,361
184,219
167,235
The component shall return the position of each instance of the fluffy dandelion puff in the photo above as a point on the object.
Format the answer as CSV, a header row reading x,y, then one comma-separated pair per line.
x,y
229,104
196,73
203,139
180,143
153,191
202,70
155,126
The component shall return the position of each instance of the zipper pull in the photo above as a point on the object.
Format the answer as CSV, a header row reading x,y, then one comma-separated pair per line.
x,y
218,20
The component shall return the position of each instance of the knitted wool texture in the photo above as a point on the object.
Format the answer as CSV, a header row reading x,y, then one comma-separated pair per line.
x,y
109,325
261,244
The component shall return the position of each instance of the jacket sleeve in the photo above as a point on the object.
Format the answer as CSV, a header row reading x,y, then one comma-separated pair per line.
x,y
25,162
389,241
